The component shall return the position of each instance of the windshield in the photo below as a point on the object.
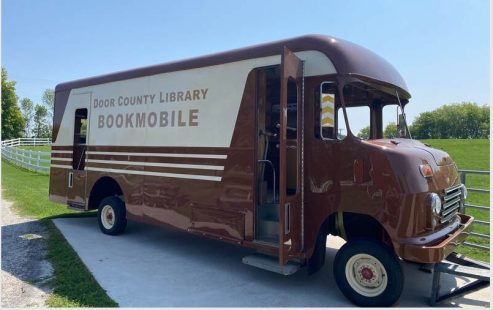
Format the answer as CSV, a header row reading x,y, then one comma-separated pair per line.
x,y
373,111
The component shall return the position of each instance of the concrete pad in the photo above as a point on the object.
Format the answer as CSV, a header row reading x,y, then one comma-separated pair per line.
x,y
150,266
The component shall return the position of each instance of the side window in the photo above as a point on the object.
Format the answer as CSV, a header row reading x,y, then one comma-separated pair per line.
x,y
358,112
390,117
80,128
80,137
359,122
326,122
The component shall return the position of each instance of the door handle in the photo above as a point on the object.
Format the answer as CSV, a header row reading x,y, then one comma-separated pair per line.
x,y
70,179
292,147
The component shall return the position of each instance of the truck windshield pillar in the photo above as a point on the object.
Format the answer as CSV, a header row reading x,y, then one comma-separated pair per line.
x,y
376,122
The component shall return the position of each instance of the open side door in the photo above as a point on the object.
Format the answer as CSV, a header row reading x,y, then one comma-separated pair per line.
x,y
290,219
77,177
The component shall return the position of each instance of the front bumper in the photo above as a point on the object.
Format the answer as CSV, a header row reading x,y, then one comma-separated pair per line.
x,y
436,252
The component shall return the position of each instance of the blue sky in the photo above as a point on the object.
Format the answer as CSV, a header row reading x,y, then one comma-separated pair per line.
x,y
440,47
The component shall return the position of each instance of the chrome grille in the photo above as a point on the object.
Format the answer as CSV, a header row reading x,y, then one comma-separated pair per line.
x,y
451,202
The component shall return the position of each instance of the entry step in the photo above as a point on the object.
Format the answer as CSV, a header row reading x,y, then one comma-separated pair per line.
x,y
76,206
270,263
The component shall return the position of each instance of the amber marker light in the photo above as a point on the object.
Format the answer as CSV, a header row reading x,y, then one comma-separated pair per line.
x,y
426,170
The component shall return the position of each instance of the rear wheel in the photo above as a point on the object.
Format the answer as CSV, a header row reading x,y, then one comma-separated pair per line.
x,y
368,274
112,218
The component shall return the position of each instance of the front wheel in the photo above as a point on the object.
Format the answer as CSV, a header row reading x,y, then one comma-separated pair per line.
x,y
368,274
112,217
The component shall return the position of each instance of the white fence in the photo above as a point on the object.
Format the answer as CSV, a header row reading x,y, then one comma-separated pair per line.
x,y
32,160
484,209
26,141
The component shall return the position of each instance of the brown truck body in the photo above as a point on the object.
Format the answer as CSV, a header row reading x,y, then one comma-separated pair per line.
x,y
234,146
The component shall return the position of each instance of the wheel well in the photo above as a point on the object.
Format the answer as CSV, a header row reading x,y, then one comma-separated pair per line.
x,y
103,188
350,227
361,226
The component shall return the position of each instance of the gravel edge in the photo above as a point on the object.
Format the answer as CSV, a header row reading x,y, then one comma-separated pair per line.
x,y
25,272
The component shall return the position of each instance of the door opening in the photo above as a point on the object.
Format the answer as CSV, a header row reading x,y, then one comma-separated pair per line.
x,y
268,113
268,151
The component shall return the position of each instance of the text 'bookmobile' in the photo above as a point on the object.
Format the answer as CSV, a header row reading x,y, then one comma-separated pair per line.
x,y
244,146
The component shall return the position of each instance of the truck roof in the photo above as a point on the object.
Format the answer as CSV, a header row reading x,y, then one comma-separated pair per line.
x,y
348,59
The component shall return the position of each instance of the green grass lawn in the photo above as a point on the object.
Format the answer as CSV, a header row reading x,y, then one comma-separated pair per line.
x,y
472,155
41,148
73,284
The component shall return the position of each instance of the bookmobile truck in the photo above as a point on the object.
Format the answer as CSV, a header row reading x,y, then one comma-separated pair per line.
x,y
244,146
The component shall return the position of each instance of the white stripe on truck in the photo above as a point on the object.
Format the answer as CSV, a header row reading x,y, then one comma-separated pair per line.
x,y
146,164
211,156
158,174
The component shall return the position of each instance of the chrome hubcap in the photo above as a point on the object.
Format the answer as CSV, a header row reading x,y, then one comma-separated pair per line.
x,y
366,275
108,217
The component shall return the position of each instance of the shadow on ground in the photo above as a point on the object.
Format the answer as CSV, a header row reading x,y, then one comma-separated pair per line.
x,y
23,253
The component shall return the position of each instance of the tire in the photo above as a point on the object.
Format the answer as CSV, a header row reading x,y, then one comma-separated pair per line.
x,y
112,217
368,273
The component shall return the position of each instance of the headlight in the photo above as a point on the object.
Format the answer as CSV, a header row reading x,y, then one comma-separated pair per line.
x,y
436,203
426,170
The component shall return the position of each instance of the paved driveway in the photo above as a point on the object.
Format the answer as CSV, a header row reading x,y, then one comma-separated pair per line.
x,y
149,266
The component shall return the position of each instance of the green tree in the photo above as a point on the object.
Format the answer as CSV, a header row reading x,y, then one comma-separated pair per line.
x,y
465,120
13,123
425,126
48,100
27,107
40,127
391,131
364,133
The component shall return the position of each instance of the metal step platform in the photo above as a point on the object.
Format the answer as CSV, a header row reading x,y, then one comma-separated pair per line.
x,y
458,265
270,263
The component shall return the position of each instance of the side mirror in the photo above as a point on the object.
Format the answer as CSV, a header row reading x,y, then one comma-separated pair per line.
x,y
401,126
